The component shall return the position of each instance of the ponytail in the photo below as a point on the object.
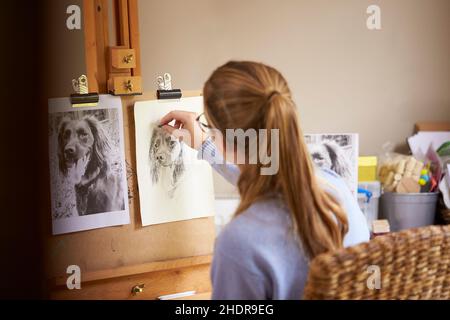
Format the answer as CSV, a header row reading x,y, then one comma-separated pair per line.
x,y
319,220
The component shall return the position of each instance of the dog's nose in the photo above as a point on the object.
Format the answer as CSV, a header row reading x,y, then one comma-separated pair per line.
x,y
69,151
160,158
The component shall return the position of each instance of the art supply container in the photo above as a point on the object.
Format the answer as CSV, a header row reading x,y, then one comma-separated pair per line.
x,y
408,210
368,200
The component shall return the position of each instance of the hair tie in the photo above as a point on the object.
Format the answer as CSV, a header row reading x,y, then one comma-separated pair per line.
x,y
272,94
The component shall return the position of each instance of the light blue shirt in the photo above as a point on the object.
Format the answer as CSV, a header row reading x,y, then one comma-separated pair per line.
x,y
257,255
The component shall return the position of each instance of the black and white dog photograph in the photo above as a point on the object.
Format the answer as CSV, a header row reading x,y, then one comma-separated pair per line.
x,y
166,160
86,163
336,152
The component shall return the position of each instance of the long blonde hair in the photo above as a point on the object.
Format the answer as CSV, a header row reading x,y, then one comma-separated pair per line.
x,y
248,95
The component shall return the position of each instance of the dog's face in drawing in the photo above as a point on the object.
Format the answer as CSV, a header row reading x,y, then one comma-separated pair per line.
x,y
82,145
166,154
165,149
320,155
328,155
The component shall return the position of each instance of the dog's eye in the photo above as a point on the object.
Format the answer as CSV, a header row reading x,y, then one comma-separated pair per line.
x,y
318,156
172,143
82,133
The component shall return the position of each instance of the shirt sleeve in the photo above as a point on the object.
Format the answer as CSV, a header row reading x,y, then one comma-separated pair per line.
x,y
232,281
358,230
209,152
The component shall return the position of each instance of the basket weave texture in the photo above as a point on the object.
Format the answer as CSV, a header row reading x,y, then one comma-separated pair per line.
x,y
413,264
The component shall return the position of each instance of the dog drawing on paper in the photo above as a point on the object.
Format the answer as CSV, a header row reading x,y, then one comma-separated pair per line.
x,y
329,155
84,158
166,160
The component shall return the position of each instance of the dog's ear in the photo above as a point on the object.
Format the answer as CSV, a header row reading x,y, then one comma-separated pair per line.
x,y
179,167
154,171
61,145
102,145
338,159
154,166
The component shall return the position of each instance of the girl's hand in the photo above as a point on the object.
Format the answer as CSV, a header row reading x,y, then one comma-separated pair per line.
x,y
186,127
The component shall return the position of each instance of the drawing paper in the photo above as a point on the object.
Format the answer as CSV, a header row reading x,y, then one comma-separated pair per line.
x,y
337,152
173,184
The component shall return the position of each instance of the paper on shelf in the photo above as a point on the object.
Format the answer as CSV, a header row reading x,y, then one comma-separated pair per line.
x,y
420,142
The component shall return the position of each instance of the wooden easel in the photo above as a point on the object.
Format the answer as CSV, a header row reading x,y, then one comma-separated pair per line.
x,y
110,68
115,262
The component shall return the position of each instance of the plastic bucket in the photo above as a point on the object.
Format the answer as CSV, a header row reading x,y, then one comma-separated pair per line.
x,y
408,210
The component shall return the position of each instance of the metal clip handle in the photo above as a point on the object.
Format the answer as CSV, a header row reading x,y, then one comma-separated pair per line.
x,y
164,82
80,85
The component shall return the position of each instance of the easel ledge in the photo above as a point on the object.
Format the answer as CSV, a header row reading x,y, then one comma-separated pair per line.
x,y
128,101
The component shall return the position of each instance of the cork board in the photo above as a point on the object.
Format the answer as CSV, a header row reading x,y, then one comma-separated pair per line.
x,y
132,244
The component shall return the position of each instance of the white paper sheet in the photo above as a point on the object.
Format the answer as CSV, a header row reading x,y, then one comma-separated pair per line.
x,y
225,209
420,142
87,165
444,187
191,194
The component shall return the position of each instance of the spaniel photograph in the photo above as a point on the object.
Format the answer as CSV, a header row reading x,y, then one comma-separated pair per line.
x,y
86,165
336,152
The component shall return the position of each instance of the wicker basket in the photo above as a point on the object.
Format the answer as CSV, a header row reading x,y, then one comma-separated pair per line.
x,y
413,264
